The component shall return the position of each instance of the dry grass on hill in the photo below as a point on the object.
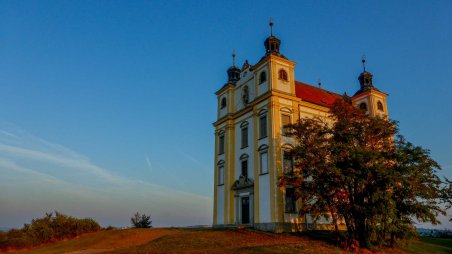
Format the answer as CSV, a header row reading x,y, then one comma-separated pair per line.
x,y
187,241
206,240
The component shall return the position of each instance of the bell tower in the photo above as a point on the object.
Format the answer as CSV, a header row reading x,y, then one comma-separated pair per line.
x,y
226,94
369,98
275,66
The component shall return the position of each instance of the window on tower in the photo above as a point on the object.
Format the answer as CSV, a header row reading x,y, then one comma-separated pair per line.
x,y
263,126
285,120
263,162
223,102
287,162
221,175
380,106
262,77
282,74
221,144
263,159
244,137
363,106
245,168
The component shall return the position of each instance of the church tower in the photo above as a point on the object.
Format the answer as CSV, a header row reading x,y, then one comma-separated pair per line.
x,y
368,97
274,71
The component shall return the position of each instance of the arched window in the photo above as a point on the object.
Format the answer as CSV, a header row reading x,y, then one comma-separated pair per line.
x,y
244,130
282,74
288,162
285,121
244,165
221,142
363,106
288,159
262,77
263,159
223,102
262,126
380,106
220,172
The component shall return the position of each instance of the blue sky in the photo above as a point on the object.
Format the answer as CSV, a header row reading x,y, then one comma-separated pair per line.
x,y
107,106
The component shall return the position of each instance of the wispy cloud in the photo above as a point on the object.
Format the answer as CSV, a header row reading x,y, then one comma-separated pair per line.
x,y
61,160
195,161
7,133
148,162
8,165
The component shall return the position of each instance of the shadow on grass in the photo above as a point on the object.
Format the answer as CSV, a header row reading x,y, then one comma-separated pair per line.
x,y
277,248
325,236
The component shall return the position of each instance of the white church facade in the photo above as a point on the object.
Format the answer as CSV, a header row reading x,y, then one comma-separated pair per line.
x,y
251,148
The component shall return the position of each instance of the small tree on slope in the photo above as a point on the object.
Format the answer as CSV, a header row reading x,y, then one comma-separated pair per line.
x,y
141,221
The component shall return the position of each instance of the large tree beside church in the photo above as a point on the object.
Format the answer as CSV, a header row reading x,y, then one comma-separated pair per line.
x,y
359,170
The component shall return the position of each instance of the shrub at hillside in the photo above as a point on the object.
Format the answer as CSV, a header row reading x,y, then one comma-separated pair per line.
x,y
141,221
49,228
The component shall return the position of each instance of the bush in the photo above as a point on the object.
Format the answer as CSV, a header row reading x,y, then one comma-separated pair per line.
x,y
49,228
141,221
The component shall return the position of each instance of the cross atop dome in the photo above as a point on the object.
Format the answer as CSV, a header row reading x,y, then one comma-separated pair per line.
x,y
272,43
233,71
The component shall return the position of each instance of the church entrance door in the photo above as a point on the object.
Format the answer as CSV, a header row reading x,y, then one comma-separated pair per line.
x,y
245,210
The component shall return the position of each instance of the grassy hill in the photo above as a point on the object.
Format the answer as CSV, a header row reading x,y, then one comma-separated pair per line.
x,y
176,240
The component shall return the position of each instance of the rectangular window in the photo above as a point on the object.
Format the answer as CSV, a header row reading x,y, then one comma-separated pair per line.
x,y
245,168
244,137
285,120
220,175
263,126
221,144
287,163
290,206
263,161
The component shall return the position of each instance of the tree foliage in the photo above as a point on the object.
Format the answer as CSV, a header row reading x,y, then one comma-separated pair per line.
x,y
141,221
50,228
358,170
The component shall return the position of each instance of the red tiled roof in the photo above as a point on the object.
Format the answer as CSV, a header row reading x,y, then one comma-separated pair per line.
x,y
315,95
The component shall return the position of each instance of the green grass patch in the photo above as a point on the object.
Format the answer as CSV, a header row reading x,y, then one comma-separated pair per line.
x,y
428,245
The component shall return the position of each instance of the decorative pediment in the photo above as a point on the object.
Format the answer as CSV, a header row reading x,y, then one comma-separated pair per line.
x,y
242,183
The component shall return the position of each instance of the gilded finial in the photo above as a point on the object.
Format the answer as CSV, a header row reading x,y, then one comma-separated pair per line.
x,y
363,60
233,57
271,26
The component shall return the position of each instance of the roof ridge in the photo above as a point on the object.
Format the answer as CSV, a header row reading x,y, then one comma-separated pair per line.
x,y
318,88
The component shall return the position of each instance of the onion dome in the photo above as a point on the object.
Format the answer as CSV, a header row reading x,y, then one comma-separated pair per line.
x,y
365,78
233,71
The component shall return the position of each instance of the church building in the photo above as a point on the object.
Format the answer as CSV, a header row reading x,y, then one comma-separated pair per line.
x,y
251,148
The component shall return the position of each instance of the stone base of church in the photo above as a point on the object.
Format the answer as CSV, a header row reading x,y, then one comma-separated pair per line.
x,y
294,227
281,227
269,227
